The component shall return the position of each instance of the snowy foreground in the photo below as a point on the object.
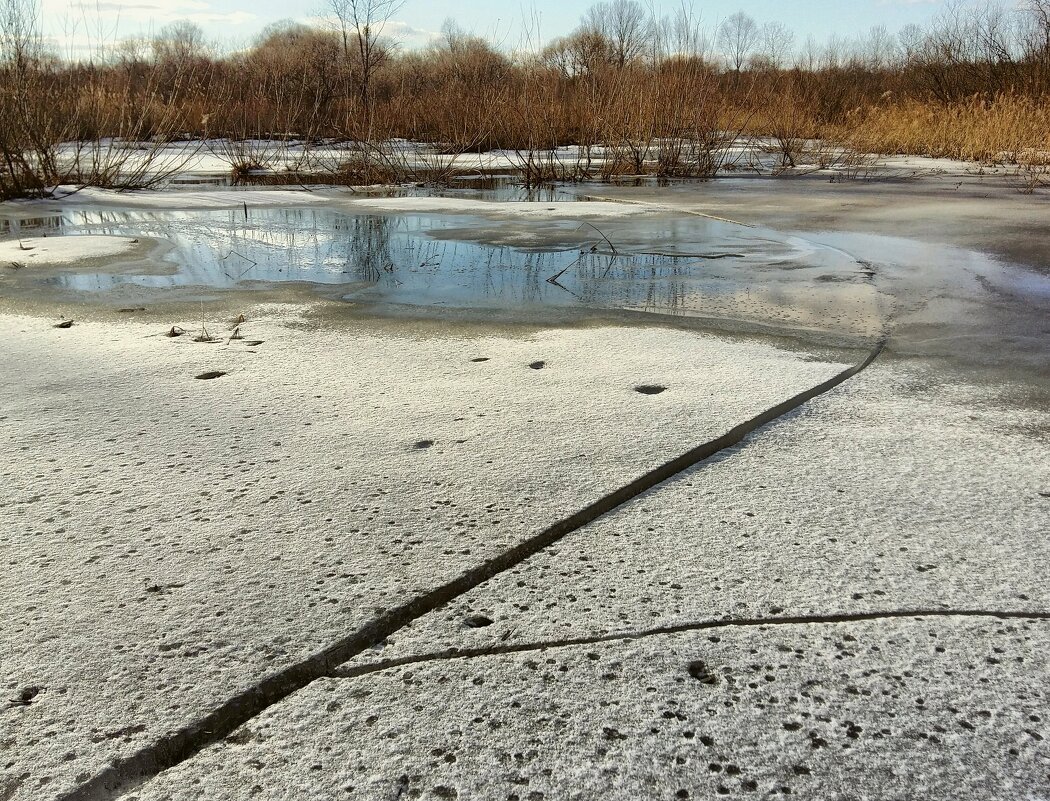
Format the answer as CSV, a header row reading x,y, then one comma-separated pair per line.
x,y
377,559
170,542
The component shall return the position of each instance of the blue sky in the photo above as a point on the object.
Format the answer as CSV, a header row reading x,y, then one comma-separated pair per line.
x,y
236,21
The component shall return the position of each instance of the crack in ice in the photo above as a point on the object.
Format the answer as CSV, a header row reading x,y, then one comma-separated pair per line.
x,y
681,628
125,773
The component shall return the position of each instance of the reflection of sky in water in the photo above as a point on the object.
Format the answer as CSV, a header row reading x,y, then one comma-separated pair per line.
x,y
668,265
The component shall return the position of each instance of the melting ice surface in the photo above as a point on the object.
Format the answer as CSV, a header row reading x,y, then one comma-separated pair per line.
x,y
667,264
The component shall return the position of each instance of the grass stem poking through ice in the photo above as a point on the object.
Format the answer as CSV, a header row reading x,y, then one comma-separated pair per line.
x,y
608,242
204,336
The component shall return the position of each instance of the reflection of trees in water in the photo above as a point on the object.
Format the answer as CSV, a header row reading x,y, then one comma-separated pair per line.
x,y
221,247
654,282
408,266
99,223
535,271
398,256
225,247
31,226
511,275
367,246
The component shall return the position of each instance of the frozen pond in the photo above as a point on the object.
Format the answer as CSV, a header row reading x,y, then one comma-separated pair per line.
x,y
623,521
668,264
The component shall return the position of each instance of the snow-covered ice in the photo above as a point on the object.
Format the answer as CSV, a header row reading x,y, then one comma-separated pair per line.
x,y
904,488
170,541
33,251
938,709
813,612
214,199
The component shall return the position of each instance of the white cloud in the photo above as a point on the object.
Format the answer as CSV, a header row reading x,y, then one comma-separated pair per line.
x,y
91,13
403,33
408,35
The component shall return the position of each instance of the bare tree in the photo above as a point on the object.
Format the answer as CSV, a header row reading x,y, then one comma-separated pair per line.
x,y
585,52
1039,12
737,37
1036,35
970,50
361,24
777,40
997,34
626,26
685,34
809,56
181,58
290,69
452,35
879,49
911,38
19,49
132,52
180,43
19,32
835,52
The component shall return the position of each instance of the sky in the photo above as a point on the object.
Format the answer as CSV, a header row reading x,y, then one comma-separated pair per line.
x,y
232,23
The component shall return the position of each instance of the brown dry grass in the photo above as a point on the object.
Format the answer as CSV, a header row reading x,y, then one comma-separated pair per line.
x,y
1008,128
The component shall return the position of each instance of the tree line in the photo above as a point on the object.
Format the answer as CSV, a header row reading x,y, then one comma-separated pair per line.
x,y
657,92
